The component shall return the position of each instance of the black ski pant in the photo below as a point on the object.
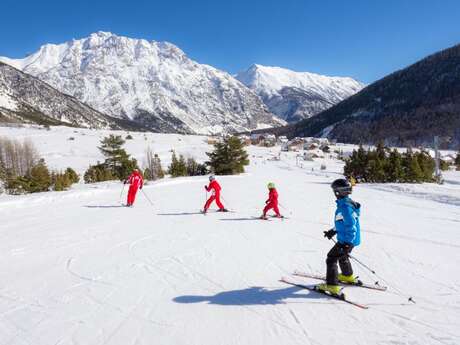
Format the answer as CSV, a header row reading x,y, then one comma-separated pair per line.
x,y
338,253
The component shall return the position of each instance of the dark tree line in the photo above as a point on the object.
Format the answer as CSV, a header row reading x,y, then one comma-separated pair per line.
x,y
385,165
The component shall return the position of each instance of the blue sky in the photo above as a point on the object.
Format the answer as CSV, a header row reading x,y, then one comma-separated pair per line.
x,y
362,39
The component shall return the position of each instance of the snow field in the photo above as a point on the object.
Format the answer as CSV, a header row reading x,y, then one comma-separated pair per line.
x,y
77,268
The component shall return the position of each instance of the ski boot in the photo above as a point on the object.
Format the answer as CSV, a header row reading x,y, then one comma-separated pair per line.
x,y
204,211
351,279
263,217
334,290
222,210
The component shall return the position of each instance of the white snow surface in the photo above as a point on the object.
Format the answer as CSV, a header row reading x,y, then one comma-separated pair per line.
x,y
7,102
77,268
154,83
317,92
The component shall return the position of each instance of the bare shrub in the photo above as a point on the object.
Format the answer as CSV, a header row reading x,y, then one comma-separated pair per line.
x,y
17,158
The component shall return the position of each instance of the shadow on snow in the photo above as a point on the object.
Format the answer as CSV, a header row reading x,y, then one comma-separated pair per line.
x,y
239,219
103,206
179,214
250,296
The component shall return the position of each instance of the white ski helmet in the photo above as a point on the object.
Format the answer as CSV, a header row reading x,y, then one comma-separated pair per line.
x,y
211,178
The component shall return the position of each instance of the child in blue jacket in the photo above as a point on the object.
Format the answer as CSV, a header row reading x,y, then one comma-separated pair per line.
x,y
347,229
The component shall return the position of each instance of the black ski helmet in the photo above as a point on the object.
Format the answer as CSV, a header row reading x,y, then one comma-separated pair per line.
x,y
341,188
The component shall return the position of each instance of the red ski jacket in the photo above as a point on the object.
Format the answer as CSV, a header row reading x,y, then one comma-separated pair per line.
x,y
135,180
214,186
272,196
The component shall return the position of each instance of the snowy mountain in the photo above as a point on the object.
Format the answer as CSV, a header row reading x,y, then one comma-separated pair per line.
x,y
406,108
294,96
26,99
152,83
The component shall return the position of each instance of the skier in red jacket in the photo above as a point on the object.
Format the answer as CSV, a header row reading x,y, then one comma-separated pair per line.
x,y
214,188
136,182
272,202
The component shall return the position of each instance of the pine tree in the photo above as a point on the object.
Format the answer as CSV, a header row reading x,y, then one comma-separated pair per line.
x,y
357,165
117,160
97,173
381,151
72,175
2,170
39,177
148,174
111,148
376,170
427,165
229,157
60,181
195,169
457,160
412,171
395,171
178,167
90,175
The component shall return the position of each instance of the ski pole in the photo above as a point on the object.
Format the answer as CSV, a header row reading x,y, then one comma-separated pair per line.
x,y
358,261
121,193
362,264
145,194
410,299
226,202
290,212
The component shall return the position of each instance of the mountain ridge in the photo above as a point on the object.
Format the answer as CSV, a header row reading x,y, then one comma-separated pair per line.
x,y
294,96
406,108
26,99
152,83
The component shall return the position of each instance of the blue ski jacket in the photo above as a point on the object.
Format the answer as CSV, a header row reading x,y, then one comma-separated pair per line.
x,y
347,221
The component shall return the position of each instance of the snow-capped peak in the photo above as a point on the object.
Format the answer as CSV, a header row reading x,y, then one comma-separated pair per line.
x,y
309,93
150,82
272,79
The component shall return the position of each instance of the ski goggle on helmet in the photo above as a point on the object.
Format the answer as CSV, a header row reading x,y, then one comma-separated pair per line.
x,y
271,185
341,188
211,178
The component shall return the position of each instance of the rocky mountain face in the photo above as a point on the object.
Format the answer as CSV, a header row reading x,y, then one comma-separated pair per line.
x,y
26,99
294,96
406,108
151,83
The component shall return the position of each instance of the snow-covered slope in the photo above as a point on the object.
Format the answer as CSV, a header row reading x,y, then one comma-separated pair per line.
x,y
153,83
77,268
26,99
294,96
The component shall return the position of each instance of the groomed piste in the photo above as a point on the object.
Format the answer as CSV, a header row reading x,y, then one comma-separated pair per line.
x,y
79,268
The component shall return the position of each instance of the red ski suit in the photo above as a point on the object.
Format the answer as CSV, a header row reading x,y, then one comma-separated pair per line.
x,y
135,181
272,202
214,188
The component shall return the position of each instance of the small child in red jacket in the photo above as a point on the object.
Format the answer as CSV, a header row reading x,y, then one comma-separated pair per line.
x,y
136,182
272,202
214,188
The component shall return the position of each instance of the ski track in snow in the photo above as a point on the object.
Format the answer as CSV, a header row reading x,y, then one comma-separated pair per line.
x,y
79,269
